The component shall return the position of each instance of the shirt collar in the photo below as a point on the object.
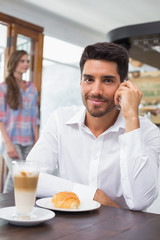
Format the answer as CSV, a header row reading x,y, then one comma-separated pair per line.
x,y
119,123
79,118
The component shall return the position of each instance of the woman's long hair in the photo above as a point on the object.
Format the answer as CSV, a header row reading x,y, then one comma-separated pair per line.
x,y
13,96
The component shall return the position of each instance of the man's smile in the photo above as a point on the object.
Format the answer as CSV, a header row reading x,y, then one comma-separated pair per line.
x,y
96,100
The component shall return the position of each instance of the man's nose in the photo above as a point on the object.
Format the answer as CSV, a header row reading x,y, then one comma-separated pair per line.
x,y
97,88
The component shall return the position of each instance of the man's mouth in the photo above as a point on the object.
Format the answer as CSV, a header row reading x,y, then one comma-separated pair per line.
x,y
96,101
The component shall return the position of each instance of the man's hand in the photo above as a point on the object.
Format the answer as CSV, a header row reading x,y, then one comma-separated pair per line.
x,y
102,198
11,150
130,97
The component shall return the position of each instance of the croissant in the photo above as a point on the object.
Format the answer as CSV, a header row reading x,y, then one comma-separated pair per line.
x,y
67,200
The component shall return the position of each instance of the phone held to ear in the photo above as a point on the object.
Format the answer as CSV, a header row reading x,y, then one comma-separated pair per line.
x,y
119,105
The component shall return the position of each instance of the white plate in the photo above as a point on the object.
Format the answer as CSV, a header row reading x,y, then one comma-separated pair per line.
x,y
85,205
40,215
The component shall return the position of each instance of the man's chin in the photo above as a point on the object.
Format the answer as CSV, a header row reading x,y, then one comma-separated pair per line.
x,y
96,113
100,113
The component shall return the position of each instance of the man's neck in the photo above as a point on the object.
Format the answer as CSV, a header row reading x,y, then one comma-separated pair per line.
x,y
98,125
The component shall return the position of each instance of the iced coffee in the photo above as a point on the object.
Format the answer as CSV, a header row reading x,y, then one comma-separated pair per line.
x,y
25,186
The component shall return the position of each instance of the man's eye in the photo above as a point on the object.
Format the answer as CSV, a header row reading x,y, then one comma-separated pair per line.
x,y
108,80
88,79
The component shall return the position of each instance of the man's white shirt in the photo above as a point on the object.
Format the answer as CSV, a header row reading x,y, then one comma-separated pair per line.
x,y
123,165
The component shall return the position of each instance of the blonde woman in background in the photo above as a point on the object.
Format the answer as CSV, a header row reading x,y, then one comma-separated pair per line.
x,y
18,113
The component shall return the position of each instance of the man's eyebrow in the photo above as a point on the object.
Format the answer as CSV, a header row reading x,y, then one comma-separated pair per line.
x,y
87,75
109,76
105,76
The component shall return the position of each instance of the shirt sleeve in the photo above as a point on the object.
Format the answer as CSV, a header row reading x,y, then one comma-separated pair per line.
x,y
139,154
2,106
49,185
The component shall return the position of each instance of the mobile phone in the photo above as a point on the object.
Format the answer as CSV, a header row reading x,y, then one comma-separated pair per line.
x,y
119,105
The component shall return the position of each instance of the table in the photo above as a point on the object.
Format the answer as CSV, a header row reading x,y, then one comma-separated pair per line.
x,y
101,224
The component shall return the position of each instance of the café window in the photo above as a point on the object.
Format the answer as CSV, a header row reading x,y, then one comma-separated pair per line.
x,y
60,76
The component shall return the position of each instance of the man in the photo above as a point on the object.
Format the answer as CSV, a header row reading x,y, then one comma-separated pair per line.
x,y
101,152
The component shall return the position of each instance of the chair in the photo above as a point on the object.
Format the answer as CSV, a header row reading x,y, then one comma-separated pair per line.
x,y
3,173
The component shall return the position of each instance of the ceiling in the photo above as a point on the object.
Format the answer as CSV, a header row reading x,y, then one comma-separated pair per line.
x,y
105,16
83,22
102,15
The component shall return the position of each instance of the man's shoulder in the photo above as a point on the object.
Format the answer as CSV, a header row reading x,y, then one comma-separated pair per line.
x,y
144,120
147,124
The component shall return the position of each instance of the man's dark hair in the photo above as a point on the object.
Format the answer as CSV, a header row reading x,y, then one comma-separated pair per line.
x,y
107,52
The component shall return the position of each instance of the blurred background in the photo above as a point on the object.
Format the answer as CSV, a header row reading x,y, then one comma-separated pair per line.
x,y
55,32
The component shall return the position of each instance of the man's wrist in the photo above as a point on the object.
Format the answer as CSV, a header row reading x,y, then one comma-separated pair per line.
x,y
131,123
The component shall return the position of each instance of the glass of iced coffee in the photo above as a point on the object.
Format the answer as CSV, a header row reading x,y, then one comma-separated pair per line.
x,y
25,175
